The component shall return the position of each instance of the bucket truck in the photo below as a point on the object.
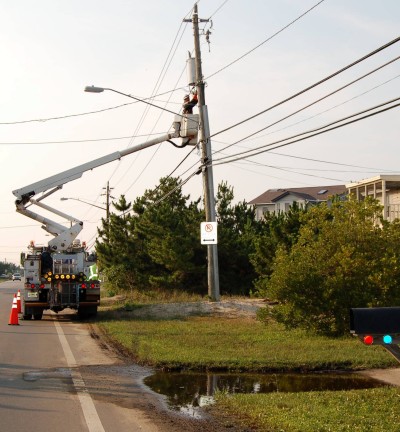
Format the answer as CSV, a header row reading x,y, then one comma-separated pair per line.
x,y
58,275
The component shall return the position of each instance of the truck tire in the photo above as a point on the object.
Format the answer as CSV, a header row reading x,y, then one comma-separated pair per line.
x,y
38,316
87,312
27,316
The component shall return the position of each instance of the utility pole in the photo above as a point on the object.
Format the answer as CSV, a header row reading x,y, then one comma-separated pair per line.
x,y
208,182
107,194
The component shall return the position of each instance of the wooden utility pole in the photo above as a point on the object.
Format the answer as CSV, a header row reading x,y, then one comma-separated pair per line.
x,y
208,182
108,195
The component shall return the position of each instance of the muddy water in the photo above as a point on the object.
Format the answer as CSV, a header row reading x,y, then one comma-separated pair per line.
x,y
186,392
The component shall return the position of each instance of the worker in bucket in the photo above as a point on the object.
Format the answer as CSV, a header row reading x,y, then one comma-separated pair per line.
x,y
188,104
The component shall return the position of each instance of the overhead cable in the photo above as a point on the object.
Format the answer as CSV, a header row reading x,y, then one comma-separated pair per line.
x,y
89,112
154,153
312,103
317,131
330,162
311,86
78,141
266,40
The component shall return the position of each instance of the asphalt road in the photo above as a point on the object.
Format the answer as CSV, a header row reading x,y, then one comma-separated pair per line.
x,y
57,374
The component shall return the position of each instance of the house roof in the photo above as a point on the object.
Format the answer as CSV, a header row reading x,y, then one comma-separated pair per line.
x,y
316,193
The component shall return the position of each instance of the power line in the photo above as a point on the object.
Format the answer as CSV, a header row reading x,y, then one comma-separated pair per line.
x,y
311,86
218,9
43,120
230,145
296,172
158,147
331,163
329,109
266,40
157,86
79,141
314,102
317,131
285,144
18,226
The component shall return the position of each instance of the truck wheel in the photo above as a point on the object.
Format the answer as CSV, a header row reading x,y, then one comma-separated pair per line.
x,y
27,316
87,312
38,316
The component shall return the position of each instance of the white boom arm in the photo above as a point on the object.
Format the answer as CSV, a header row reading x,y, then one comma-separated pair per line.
x,y
65,236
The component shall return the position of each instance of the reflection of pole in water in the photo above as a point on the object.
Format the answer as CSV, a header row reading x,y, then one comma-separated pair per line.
x,y
276,382
212,384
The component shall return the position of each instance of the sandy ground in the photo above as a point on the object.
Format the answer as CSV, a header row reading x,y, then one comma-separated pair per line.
x,y
226,308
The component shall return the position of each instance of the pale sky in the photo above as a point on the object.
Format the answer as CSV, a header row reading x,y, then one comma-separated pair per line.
x,y
51,50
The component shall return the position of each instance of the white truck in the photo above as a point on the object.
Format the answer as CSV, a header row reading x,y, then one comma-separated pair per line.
x,y
58,275
59,280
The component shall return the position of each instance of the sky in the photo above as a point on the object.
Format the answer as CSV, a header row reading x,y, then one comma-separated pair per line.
x,y
259,54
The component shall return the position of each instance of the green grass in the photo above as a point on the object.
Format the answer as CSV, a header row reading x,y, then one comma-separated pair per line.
x,y
210,343
375,410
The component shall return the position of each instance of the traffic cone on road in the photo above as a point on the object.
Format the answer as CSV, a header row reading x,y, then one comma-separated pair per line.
x,y
19,301
14,312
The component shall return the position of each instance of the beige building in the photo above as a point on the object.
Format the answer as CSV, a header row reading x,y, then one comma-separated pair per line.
x,y
385,188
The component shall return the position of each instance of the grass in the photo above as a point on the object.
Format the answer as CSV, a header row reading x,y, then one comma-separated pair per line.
x,y
242,344
138,298
374,410
210,343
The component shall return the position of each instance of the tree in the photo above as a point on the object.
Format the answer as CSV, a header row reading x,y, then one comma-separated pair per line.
x,y
237,228
346,256
278,230
168,225
117,249
154,242
8,268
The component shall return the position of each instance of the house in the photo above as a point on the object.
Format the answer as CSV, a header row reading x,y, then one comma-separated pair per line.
x,y
280,200
384,188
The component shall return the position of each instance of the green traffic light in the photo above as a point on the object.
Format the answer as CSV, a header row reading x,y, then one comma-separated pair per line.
x,y
387,339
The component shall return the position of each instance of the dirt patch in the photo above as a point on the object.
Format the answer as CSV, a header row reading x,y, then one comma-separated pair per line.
x,y
226,308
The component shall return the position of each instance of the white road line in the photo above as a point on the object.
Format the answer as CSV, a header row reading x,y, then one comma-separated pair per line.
x,y
89,410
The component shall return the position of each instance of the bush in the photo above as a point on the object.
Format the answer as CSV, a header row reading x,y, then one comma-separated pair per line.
x,y
343,258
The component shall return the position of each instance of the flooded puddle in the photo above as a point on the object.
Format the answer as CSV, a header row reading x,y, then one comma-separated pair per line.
x,y
186,391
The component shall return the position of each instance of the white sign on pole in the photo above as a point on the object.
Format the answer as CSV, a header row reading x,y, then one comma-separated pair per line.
x,y
208,232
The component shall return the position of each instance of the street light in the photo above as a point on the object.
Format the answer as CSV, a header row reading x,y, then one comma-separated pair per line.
x,y
77,199
95,89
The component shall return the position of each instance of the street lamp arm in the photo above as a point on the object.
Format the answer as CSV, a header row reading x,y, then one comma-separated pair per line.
x,y
95,89
86,202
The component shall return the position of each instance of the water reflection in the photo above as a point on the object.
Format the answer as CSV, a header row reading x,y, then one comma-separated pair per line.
x,y
186,391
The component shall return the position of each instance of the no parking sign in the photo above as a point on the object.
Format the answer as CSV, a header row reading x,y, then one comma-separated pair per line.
x,y
208,232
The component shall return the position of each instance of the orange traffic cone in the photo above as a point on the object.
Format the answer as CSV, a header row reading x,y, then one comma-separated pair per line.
x,y
19,301
14,312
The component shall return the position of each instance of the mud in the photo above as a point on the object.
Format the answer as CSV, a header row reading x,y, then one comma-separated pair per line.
x,y
122,385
